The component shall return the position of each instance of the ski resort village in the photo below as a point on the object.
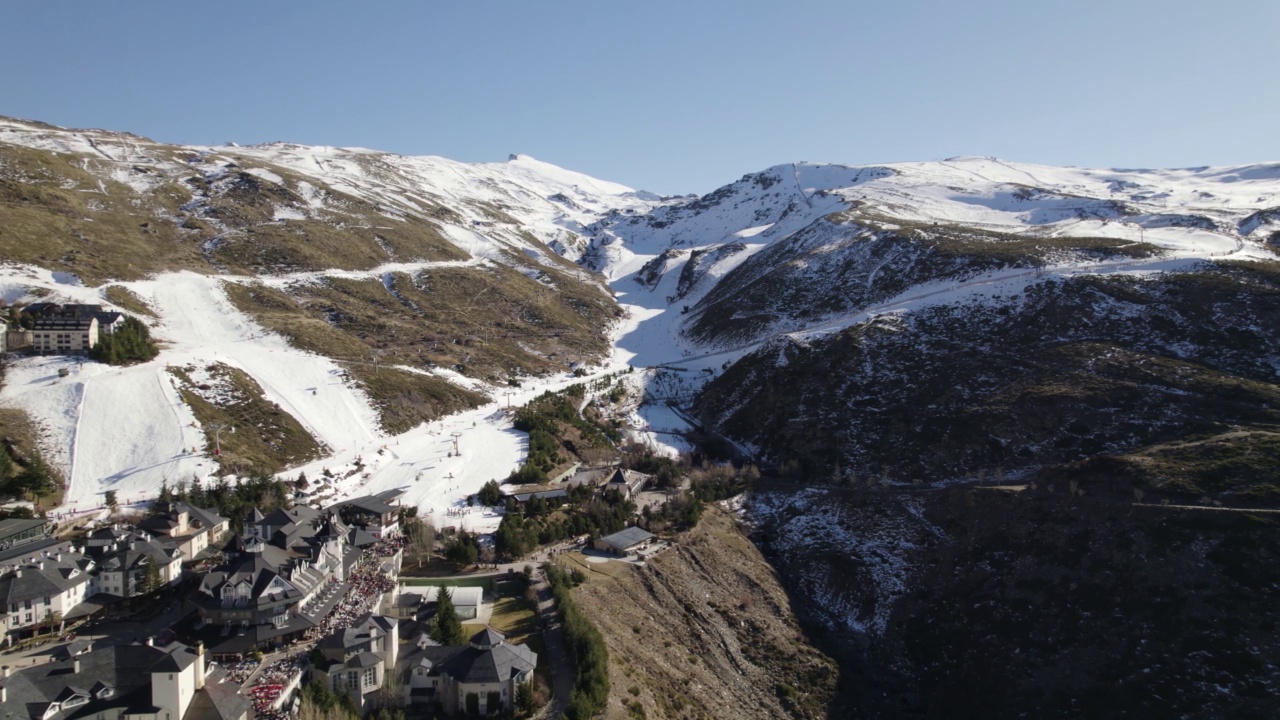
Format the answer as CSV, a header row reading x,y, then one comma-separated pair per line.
x,y
298,432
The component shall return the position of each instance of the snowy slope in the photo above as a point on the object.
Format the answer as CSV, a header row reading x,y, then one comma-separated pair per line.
x,y
833,238
823,232
127,430
549,203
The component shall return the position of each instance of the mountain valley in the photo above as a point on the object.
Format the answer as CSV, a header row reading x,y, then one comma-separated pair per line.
x,y
1018,424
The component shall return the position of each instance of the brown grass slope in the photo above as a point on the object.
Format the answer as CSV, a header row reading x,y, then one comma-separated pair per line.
x,y
402,399
705,631
266,438
56,214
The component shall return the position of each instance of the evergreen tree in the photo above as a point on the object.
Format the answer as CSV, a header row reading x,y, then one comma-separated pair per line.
x,y
6,466
151,580
131,342
462,550
109,499
447,628
36,479
490,494
524,697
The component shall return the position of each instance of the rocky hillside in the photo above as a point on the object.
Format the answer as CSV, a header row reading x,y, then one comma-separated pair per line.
x,y
805,244
1058,600
705,631
1061,372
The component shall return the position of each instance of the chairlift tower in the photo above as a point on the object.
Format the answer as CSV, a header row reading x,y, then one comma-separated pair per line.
x,y
217,435
456,435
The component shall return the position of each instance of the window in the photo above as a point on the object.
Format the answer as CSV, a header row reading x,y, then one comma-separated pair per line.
x,y
370,677
353,679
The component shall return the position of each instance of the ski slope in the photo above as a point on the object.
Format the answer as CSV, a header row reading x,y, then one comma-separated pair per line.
x,y
127,430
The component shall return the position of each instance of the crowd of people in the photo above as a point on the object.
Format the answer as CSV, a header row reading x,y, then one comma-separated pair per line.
x,y
365,587
239,672
271,682
387,546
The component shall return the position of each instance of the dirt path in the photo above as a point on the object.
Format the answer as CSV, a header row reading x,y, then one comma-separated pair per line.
x,y
556,648
1208,507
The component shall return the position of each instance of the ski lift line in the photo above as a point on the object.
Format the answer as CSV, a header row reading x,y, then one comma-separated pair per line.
x,y
795,173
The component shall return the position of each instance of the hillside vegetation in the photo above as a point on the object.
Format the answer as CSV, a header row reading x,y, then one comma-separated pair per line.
x,y
1067,371
1061,600
402,398
703,630
849,261
257,436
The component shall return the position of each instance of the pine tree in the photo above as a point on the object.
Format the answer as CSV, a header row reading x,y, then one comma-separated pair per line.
x,y
36,478
151,580
524,697
6,466
490,494
447,628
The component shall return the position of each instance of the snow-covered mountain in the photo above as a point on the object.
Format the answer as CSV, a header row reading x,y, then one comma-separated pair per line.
x,y
799,245
360,293
464,278
485,207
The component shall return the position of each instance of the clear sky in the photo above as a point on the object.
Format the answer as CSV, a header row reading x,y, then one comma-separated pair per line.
x,y
672,97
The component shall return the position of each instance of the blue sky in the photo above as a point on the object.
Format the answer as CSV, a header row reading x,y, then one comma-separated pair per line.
x,y
673,97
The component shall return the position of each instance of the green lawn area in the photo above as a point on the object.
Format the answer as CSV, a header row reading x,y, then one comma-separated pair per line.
x,y
484,581
512,617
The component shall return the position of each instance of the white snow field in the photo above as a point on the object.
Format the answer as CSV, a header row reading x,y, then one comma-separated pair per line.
x,y
125,429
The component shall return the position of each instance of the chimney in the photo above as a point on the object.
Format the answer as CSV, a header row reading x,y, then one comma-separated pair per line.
x,y
75,666
17,572
150,641
4,693
40,565
4,671
200,666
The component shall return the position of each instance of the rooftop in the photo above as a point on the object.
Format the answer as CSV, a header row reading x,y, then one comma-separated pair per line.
x,y
627,538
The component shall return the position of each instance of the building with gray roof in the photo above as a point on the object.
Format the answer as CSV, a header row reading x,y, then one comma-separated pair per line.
x,y
624,541
64,335
378,515
488,666
46,589
189,528
356,660
283,573
16,532
137,681
135,564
